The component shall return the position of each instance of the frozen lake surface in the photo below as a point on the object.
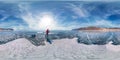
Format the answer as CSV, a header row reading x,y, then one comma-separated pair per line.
x,y
61,49
67,45
97,38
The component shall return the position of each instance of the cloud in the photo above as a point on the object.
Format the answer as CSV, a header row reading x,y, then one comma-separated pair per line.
x,y
78,10
98,23
13,24
66,15
19,27
35,21
101,23
27,16
30,0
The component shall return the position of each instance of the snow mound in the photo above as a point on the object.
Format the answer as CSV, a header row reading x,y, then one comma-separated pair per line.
x,y
115,48
17,48
62,49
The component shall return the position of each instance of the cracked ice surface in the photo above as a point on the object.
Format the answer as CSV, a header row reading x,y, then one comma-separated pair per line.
x,y
64,49
97,38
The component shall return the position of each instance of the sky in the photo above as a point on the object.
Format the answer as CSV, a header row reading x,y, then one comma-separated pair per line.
x,y
58,15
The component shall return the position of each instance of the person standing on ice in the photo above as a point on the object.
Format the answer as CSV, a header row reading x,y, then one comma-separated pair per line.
x,y
47,36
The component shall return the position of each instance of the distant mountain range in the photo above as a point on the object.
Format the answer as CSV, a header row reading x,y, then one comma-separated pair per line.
x,y
94,28
6,29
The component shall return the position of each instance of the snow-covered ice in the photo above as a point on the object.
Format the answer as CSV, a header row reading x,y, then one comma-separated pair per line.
x,y
67,45
97,38
62,49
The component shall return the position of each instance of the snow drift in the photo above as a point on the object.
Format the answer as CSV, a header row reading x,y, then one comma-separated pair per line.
x,y
64,49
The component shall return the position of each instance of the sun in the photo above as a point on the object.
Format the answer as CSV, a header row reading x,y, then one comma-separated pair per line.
x,y
46,22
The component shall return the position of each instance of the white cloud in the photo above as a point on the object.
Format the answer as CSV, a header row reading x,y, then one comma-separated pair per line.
x,y
19,27
12,25
28,16
103,22
100,23
106,23
38,21
78,10
74,17
13,1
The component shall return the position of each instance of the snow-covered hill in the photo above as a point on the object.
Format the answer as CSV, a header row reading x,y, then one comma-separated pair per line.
x,y
64,49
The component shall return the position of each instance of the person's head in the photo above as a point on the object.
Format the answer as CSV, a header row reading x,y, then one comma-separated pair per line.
x,y
48,29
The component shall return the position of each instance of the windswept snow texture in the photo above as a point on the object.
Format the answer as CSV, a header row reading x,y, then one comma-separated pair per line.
x,y
67,45
38,38
61,49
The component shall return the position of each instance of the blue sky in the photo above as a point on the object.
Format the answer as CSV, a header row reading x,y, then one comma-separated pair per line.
x,y
61,15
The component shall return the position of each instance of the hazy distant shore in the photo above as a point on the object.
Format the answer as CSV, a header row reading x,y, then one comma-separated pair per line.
x,y
97,29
